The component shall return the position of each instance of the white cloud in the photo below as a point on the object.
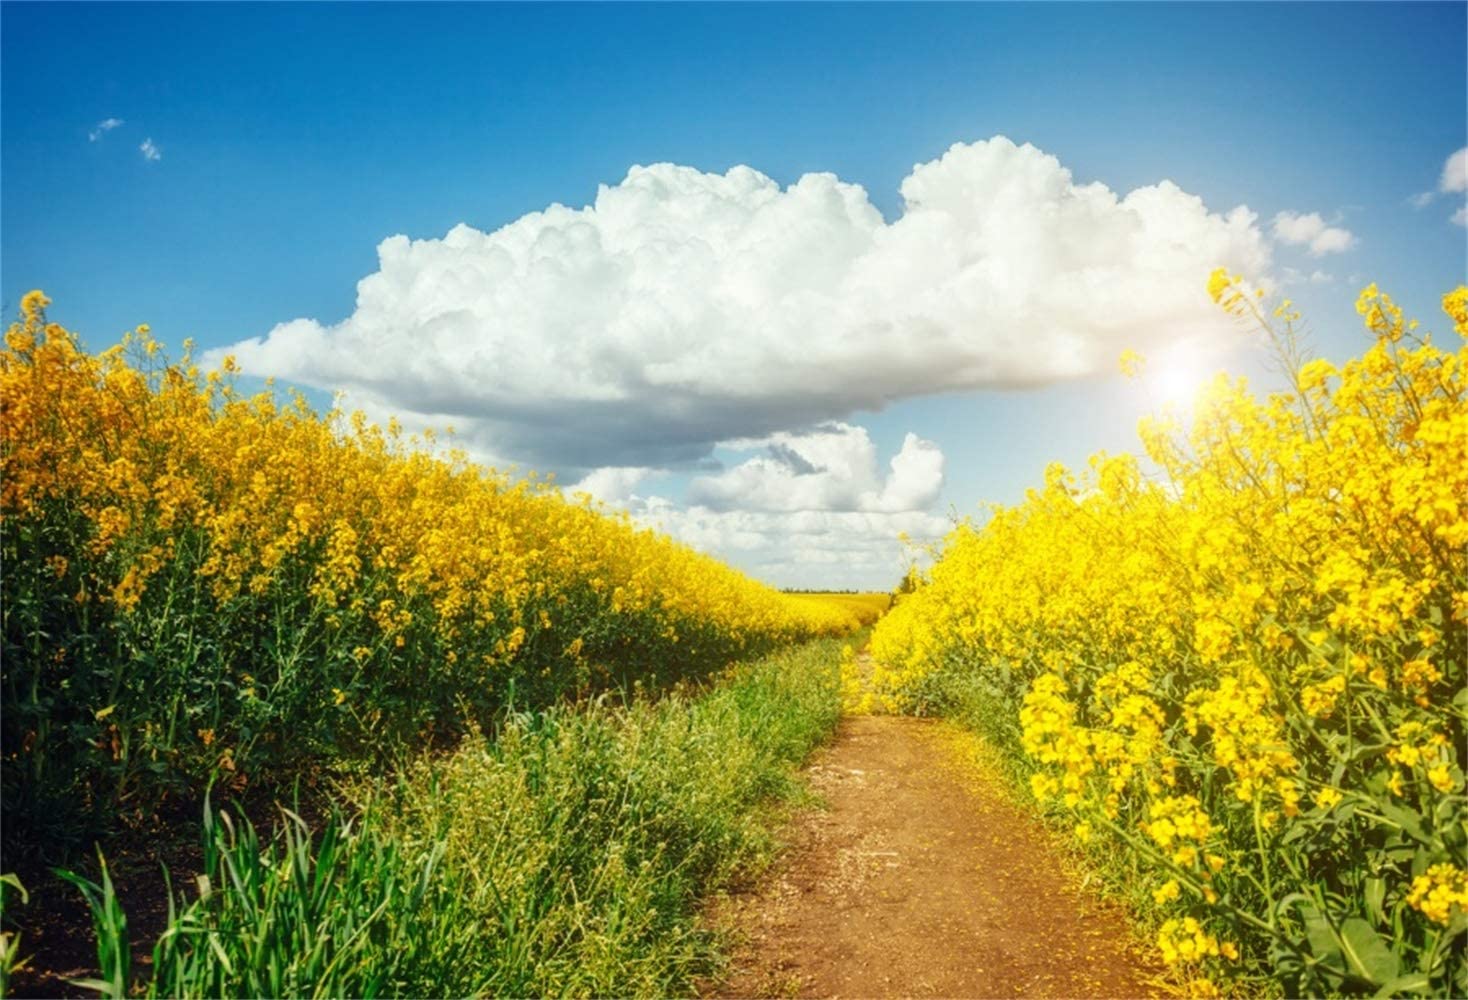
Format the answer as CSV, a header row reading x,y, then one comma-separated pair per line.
x,y
1292,276
1455,172
150,152
103,127
613,485
684,308
1454,179
1311,231
813,510
832,468
810,549
915,480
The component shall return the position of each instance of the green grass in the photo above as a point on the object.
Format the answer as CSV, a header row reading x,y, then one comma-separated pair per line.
x,y
568,856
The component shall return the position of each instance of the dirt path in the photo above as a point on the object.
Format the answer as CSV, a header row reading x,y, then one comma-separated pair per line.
x,y
918,880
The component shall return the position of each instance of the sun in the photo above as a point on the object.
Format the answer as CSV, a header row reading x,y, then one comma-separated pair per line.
x,y
1175,376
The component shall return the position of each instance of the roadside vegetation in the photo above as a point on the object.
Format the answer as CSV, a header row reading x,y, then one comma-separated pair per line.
x,y
567,856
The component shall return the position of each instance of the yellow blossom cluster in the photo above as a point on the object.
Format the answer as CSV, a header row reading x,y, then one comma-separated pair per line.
x,y
1439,892
1179,825
1247,642
1185,940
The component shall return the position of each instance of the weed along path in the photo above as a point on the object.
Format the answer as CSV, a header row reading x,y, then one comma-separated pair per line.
x,y
920,878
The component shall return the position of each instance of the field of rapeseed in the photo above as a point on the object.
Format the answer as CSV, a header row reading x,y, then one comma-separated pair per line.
x,y
866,608
1242,675
200,587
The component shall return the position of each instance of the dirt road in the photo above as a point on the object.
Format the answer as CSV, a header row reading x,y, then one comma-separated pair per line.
x,y
919,880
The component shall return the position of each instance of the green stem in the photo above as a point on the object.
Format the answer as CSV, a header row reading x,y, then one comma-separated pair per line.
x,y
1264,862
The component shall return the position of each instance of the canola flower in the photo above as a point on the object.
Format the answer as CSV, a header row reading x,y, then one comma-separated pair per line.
x,y
199,584
1240,661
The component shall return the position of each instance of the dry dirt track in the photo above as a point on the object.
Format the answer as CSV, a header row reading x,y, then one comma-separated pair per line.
x,y
919,881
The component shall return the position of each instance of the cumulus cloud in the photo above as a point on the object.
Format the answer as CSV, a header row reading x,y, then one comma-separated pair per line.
x,y
1312,232
809,509
684,308
1455,173
832,468
614,485
103,127
1460,217
150,152
810,549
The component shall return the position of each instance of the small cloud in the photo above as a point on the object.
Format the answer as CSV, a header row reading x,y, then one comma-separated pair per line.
x,y
103,127
1292,276
1455,173
1332,240
1311,231
1454,180
1460,217
150,152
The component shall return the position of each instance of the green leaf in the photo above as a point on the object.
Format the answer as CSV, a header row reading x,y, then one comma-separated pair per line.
x,y
1323,942
1409,821
1400,853
1368,954
13,880
1374,890
99,985
1411,983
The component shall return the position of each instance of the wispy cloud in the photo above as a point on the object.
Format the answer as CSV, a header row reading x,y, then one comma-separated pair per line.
x,y
103,127
1291,276
150,152
1311,231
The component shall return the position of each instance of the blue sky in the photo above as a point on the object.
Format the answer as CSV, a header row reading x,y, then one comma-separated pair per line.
x,y
293,139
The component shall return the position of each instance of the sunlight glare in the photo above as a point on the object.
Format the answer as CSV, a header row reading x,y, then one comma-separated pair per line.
x,y
1176,376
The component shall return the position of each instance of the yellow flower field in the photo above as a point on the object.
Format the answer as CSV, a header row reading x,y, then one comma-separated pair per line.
x,y
867,608
200,585
1242,660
